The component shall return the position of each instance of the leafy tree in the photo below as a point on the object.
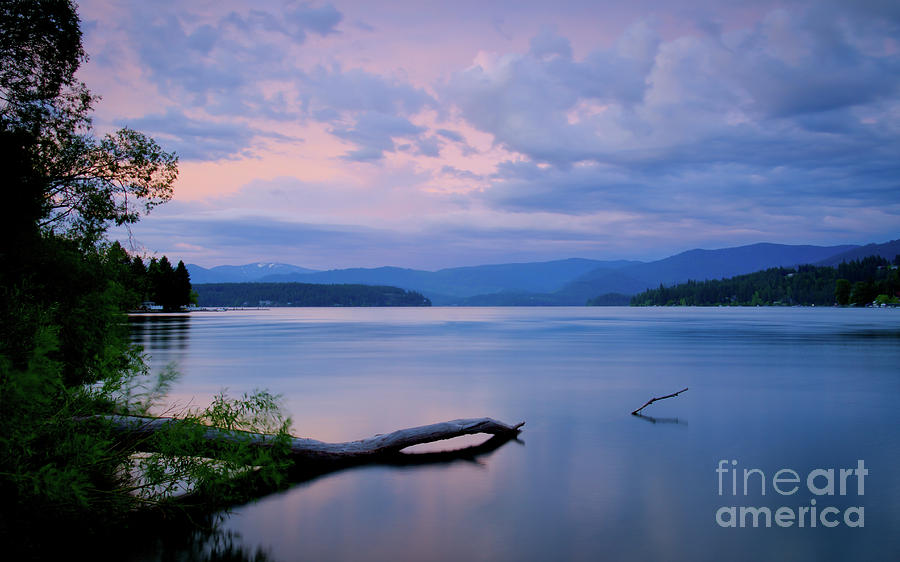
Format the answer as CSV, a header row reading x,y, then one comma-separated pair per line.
x,y
85,183
882,300
64,353
842,291
862,293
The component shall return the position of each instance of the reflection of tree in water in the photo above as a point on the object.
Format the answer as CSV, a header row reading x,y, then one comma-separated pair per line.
x,y
195,535
223,549
163,331
188,536
205,545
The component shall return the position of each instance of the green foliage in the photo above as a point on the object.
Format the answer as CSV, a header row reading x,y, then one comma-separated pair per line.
x,y
862,293
51,280
164,285
65,358
183,461
885,300
305,294
84,183
842,292
40,46
857,282
54,467
61,466
159,283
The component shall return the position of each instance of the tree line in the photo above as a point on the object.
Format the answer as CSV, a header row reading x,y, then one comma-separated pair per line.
x,y
858,283
305,294
66,363
155,282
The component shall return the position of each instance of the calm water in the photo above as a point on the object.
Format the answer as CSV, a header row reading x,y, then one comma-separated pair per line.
x,y
800,389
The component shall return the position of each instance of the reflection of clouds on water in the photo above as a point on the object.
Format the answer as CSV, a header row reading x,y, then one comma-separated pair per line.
x,y
771,387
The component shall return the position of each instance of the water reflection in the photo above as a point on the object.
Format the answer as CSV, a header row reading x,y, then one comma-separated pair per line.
x,y
164,337
191,537
202,537
652,419
772,388
160,331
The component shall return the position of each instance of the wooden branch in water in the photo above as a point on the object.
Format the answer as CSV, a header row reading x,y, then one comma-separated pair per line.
x,y
652,400
137,428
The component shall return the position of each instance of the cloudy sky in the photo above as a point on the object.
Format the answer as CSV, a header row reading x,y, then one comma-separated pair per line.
x,y
433,134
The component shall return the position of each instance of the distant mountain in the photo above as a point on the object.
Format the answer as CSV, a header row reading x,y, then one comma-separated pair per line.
x,y
888,250
561,282
698,265
392,276
457,283
242,273
543,277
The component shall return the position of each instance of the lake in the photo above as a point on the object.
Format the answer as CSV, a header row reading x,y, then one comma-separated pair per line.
x,y
810,390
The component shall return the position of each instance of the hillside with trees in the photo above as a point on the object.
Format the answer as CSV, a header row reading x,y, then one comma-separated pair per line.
x,y
305,294
857,283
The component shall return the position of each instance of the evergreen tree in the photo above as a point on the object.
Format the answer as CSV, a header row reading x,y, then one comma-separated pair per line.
x,y
138,276
164,288
182,285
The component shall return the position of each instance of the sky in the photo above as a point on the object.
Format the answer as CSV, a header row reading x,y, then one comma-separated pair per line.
x,y
431,134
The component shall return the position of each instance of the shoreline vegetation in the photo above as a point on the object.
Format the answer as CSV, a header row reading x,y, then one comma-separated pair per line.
x,y
871,281
67,367
243,295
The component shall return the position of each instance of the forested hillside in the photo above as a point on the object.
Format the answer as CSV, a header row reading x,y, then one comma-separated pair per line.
x,y
305,294
859,283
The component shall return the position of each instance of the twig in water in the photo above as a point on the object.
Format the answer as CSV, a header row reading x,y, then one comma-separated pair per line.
x,y
652,400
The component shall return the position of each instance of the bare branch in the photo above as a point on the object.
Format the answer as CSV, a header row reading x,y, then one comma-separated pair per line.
x,y
652,400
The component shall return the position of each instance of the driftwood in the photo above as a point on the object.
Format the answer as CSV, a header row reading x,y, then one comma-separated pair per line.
x,y
139,428
652,400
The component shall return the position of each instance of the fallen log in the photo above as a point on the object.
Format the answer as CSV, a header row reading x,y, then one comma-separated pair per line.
x,y
138,429
652,400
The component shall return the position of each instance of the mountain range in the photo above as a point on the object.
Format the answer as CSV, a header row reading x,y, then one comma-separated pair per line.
x,y
561,282
242,273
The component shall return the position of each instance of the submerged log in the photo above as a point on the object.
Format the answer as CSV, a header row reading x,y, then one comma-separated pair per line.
x,y
140,428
